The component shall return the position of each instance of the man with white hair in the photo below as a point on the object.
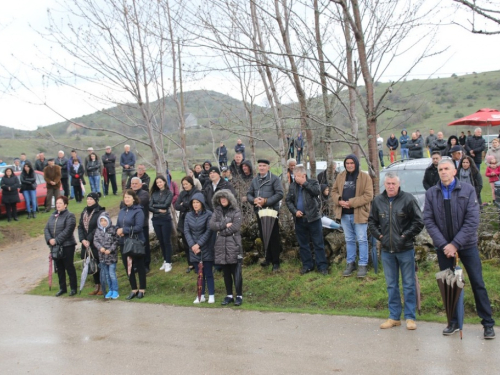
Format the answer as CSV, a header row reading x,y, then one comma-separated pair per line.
x,y
397,212
62,161
127,161
475,146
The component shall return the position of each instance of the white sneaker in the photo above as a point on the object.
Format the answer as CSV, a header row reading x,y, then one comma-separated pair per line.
x,y
211,299
168,267
196,300
163,266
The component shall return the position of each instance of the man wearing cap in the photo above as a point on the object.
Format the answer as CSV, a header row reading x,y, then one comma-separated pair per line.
x,y
127,161
62,161
216,184
17,167
52,176
41,162
108,162
266,191
456,155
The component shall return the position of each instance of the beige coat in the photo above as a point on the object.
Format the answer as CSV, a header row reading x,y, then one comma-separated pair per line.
x,y
361,202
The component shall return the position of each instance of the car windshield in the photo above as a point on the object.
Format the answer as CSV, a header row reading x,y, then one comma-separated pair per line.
x,y
411,180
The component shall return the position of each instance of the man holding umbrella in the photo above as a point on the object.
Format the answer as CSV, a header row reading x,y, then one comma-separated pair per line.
x,y
395,220
451,216
266,191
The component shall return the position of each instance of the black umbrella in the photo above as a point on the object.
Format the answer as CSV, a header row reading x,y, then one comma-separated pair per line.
x,y
267,218
238,275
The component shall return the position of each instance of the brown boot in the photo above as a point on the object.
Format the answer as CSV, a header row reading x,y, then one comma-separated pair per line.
x,y
96,290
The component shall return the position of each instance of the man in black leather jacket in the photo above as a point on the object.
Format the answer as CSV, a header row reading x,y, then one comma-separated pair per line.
x,y
431,175
303,202
395,219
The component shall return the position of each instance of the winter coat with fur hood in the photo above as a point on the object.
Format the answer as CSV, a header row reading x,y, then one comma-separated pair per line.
x,y
105,237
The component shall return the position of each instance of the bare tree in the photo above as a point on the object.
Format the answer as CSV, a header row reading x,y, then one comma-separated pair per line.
x,y
487,11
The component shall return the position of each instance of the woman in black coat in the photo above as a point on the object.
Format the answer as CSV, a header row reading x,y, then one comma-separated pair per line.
x,y
86,230
28,189
76,172
183,205
59,231
10,193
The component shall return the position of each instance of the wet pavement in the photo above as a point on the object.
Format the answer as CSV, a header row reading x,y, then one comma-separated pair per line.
x,y
43,335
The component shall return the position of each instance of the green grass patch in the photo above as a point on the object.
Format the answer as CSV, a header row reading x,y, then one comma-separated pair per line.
x,y
288,291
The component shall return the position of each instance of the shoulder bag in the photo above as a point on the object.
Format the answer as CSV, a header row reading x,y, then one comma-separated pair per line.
x,y
133,247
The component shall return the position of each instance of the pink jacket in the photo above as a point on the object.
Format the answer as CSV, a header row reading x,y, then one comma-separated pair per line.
x,y
493,173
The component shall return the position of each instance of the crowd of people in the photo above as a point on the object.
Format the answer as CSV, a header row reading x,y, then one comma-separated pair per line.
x,y
214,200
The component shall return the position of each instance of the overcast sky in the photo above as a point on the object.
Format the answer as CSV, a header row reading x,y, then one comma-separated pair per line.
x,y
467,53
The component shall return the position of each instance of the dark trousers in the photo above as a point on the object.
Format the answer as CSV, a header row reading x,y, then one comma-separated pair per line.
x,y
299,156
78,192
472,264
208,277
163,230
112,179
229,271
305,233
137,266
381,157
147,247
51,192
273,250
11,210
66,265
186,249
65,185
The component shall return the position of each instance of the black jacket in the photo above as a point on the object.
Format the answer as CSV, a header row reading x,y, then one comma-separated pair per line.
x,y
208,191
146,180
476,144
398,222
63,163
416,148
431,177
10,189
310,195
183,205
392,142
144,204
74,180
268,187
61,227
89,234
439,145
108,162
161,200
28,180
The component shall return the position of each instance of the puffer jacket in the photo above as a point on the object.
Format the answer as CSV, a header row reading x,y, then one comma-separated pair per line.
x,y
61,226
228,240
105,237
268,187
392,142
131,219
183,205
89,234
208,191
10,192
161,200
197,231
476,144
464,212
310,196
398,222
93,168
416,148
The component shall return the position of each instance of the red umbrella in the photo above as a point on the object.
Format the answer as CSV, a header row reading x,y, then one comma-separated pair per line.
x,y
483,117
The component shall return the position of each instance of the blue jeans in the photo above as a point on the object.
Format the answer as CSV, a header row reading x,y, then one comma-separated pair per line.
x,y
404,153
311,231
163,230
355,232
393,262
381,157
110,274
472,264
30,198
95,183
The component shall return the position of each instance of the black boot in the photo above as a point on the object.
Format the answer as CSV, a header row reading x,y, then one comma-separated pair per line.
x,y
33,214
29,215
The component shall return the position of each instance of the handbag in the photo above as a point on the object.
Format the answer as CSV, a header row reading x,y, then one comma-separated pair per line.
x,y
133,247
57,252
93,263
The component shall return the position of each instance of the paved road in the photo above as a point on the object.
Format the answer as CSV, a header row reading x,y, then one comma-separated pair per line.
x,y
48,335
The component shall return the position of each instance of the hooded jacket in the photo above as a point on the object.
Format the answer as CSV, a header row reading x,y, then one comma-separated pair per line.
x,y
363,196
88,235
494,151
403,140
398,222
228,240
197,231
236,169
105,237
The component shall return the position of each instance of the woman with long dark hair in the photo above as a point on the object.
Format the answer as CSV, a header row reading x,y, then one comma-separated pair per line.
x,y
130,222
76,171
183,205
59,231
159,204
468,172
94,172
10,193
28,188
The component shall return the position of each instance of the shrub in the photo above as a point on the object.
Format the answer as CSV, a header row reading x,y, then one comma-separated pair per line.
x,y
458,114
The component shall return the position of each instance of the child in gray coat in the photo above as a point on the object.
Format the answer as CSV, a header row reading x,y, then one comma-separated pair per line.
x,y
106,242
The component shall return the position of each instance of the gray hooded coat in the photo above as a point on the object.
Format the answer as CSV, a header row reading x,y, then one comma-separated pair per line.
x,y
105,237
228,241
